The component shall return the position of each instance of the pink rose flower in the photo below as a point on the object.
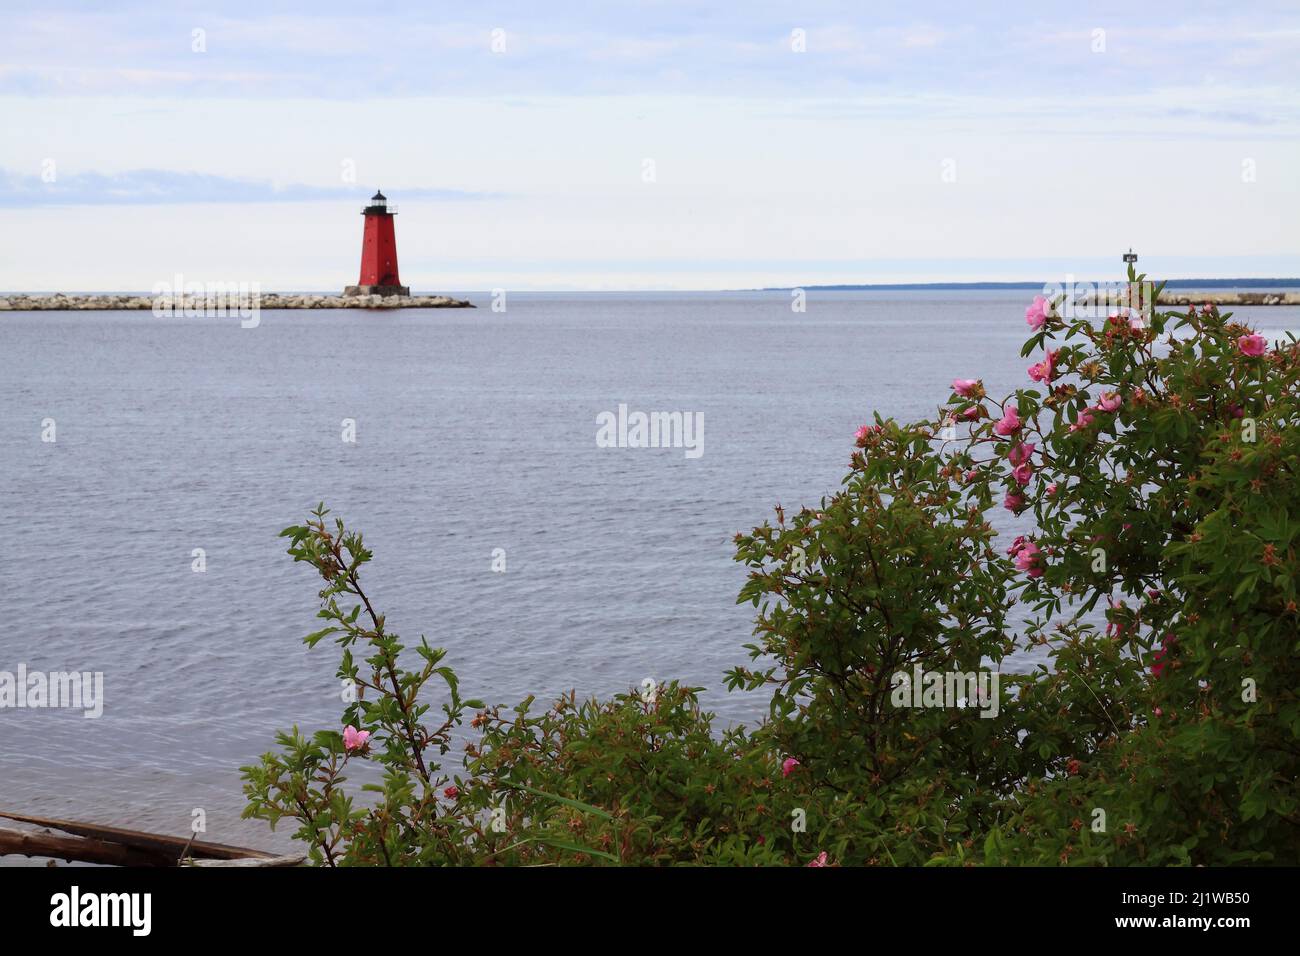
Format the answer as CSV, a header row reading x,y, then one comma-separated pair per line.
x,y
1051,489
452,792
1083,421
971,476
1023,473
1013,501
1029,560
1109,402
1017,546
1009,423
354,739
972,413
863,432
965,387
1036,313
1158,668
1019,454
820,859
1045,370
788,765
1253,344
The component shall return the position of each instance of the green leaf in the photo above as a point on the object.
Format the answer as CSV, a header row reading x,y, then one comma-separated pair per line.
x,y
312,639
576,848
576,804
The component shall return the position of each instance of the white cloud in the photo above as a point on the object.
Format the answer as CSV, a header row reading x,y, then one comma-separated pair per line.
x,y
827,161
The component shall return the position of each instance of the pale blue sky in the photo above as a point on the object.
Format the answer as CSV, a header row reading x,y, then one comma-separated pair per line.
x,y
908,142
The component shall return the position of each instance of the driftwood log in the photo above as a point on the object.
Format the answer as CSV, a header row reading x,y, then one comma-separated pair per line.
x,y
117,846
296,859
81,849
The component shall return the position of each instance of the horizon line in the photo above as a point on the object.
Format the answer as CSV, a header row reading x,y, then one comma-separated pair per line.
x,y
991,285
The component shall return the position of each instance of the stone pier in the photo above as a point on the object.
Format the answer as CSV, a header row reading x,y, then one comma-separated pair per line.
x,y
68,303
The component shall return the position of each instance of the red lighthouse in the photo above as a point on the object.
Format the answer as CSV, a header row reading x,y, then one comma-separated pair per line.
x,y
378,252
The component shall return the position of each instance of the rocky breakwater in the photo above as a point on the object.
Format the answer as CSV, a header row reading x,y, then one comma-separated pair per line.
x,y
196,304
1219,297
1122,295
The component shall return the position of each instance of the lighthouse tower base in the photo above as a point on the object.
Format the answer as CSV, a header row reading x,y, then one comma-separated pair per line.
x,y
403,290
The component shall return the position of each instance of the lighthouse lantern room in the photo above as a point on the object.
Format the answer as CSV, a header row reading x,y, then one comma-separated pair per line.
x,y
378,252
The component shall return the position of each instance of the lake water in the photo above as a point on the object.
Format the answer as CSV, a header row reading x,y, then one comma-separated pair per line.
x,y
475,430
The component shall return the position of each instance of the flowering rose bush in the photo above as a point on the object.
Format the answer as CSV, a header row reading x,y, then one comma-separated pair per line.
x,y
1156,455
1171,495
656,784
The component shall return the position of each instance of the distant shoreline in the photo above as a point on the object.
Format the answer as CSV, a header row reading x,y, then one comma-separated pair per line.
x,y
994,286
1267,292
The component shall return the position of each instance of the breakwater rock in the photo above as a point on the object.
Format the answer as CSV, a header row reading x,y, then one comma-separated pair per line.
x,y
196,304
1216,297
1122,296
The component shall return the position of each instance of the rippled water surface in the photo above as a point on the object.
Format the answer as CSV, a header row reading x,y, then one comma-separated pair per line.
x,y
475,431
